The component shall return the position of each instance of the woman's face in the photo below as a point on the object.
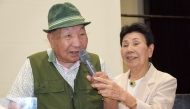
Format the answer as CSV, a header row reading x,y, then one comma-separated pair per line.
x,y
134,50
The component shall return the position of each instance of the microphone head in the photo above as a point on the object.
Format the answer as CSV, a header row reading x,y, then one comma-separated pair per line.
x,y
83,55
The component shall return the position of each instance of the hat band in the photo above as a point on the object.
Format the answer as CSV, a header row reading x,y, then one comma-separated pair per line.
x,y
65,20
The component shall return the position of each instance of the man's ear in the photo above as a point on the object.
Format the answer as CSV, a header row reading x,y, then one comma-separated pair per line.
x,y
50,38
151,50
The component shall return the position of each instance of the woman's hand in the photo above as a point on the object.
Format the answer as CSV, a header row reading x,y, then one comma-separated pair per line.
x,y
97,74
109,89
108,103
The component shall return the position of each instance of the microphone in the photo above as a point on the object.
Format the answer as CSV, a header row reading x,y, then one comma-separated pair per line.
x,y
85,58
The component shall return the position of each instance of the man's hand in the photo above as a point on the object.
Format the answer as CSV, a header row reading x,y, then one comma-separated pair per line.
x,y
2,107
14,105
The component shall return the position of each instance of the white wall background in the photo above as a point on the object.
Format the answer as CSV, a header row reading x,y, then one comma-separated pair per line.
x,y
22,21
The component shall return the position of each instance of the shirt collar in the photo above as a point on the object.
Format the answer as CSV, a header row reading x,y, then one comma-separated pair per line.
x,y
52,57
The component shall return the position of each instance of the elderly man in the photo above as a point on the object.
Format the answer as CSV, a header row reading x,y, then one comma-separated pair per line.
x,y
56,76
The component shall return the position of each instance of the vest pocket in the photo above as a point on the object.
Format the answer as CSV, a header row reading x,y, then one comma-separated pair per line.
x,y
49,86
51,95
87,96
84,84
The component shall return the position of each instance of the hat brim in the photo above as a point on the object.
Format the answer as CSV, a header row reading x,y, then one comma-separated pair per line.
x,y
67,25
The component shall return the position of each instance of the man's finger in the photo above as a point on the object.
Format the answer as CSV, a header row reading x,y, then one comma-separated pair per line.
x,y
89,78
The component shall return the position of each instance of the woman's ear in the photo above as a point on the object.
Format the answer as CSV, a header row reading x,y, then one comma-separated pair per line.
x,y
151,49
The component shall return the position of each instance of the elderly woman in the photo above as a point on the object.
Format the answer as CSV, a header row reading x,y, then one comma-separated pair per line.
x,y
142,86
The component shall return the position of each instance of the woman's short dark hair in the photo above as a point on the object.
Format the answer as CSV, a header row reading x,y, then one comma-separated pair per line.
x,y
138,27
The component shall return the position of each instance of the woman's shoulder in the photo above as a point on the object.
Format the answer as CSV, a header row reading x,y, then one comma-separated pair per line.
x,y
121,77
160,75
164,75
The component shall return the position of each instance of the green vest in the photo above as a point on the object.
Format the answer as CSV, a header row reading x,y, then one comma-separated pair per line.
x,y
53,92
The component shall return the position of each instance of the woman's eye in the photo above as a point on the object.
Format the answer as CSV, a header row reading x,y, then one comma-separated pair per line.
x,y
125,45
136,43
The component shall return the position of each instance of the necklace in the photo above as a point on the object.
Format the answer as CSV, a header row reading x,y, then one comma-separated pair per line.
x,y
132,83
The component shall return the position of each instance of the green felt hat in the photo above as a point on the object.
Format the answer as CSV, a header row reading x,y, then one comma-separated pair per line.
x,y
64,15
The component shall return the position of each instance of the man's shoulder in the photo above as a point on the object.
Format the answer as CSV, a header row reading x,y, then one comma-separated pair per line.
x,y
92,54
94,57
38,54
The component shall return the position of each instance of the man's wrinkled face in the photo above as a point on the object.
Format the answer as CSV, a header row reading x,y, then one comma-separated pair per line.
x,y
67,42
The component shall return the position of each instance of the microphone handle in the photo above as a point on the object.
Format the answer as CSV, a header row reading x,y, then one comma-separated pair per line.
x,y
90,67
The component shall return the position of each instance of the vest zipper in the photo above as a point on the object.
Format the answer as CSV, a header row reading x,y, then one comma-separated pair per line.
x,y
72,100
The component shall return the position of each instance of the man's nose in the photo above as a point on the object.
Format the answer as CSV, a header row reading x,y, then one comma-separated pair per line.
x,y
77,42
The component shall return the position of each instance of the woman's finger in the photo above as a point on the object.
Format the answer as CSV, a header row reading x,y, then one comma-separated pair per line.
x,y
100,86
105,81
